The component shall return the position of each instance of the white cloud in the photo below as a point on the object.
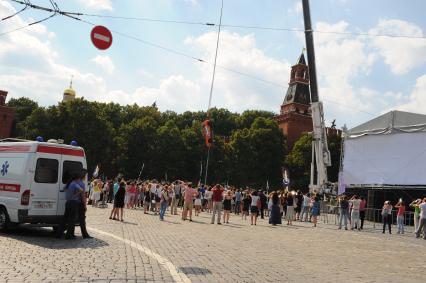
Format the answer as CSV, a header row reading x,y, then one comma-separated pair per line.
x,y
42,76
239,52
417,99
97,4
340,59
401,54
31,66
173,93
105,63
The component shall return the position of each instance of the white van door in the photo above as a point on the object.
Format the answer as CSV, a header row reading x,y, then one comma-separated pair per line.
x,y
70,166
45,185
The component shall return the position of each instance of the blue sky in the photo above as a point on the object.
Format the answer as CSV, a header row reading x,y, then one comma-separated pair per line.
x,y
359,77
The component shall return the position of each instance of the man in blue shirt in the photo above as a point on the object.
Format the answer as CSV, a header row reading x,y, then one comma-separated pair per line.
x,y
73,195
82,208
116,187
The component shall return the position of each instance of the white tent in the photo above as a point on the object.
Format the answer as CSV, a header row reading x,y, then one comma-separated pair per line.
x,y
388,150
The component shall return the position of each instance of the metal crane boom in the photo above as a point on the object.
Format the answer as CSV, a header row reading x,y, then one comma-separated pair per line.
x,y
320,152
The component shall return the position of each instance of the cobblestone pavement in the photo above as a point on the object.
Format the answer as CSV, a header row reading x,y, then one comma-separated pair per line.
x,y
143,249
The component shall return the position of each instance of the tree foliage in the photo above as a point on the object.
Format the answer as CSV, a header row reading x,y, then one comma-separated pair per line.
x,y
248,148
299,160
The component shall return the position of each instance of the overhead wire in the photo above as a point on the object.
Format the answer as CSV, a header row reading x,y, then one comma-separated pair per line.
x,y
253,26
27,4
149,19
215,59
144,41
212,84
13,30
11,16
74,15
211,24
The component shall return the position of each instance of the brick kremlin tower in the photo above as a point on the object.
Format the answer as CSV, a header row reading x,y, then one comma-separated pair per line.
x,y
6,116
295,115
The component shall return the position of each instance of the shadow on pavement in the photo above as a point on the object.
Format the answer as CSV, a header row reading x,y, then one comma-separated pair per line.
x,y
45,238
195,221
194,270
171,222
123,222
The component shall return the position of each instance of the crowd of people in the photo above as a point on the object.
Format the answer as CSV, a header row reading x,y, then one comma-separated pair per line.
x,y
353,210
219,201
159,197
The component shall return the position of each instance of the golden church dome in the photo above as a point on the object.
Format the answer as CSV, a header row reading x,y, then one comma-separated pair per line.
x,y
69,91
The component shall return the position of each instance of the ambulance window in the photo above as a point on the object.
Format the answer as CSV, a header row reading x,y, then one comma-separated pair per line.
x,y
46,171
69,168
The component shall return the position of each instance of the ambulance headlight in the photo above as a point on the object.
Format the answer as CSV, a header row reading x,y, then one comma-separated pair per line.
x,y
39,139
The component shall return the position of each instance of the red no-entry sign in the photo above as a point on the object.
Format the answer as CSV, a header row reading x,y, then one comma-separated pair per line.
x,y
101,37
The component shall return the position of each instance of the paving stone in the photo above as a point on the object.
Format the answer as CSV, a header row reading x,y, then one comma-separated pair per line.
x,y
235,252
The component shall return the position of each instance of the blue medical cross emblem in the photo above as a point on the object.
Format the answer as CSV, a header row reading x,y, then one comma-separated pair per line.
x,y
4,168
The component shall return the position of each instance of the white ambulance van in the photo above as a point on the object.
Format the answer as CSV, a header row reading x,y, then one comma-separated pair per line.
x,y
32,180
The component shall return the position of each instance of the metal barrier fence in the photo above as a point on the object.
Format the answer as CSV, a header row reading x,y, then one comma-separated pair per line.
x,y
330,214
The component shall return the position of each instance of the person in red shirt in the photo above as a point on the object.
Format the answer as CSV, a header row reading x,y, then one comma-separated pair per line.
x,y
188,204
217,202
400,216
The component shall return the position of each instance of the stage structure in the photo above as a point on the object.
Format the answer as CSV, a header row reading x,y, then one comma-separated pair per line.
x,y
387,153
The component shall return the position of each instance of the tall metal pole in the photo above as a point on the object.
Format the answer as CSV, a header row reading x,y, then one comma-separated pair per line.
x,y
201,171
207,166
212,83
140,173
310,51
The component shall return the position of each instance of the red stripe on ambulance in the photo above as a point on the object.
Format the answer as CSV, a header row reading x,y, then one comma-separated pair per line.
x,y
10,188
59,150
18,148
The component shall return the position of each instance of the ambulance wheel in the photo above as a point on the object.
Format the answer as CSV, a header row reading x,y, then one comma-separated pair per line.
x,y
4,219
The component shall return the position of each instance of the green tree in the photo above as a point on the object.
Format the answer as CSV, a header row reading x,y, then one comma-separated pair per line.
x,y
247,117
169,149
257,153
23,108
299,160
248,149
334,145
136,142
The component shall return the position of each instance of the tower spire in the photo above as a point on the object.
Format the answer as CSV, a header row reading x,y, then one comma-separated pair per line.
x,y
69,93
302,60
